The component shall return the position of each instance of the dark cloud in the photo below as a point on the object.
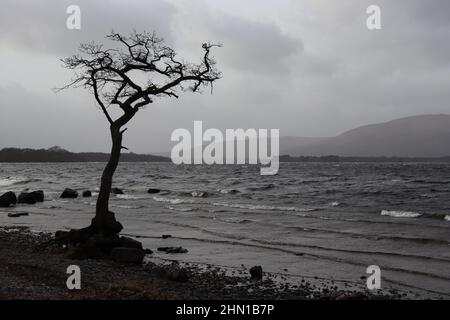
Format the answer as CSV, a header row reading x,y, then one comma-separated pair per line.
x,y
41,25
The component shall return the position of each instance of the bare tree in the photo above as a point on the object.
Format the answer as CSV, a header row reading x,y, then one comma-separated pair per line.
x,y
129,76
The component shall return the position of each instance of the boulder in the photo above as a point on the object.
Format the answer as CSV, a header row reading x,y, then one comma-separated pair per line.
x,y
256,273
110,226
38,195
31,197
17,214
130,243
69,193
116,191
127,255
173,249
153,190
148,251
87,194
7,199
62,236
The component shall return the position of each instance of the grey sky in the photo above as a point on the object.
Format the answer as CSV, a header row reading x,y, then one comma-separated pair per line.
x,y
308,67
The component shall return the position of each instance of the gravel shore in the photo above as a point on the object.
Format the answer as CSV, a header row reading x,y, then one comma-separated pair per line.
x,y
33,266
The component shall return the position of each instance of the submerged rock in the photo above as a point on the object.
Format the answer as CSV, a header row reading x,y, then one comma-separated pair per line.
x,y
31,197
116,191
173,249
69,193
87,194
8,199
17,214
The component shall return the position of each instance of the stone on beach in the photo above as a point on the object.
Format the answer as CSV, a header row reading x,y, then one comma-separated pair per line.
x,y
8,199
31,197
256,273
127,242
69,193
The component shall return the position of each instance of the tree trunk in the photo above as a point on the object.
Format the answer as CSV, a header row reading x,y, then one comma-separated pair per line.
x,y
104,221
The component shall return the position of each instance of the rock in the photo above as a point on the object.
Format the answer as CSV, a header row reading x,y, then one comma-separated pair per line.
x,y
7,199
148,251
256,273
130,243
17,214
116,191
31,197
173,249
62,236
69,193
38,195
153,190
127,255
87,194
106,243
165,236
76,236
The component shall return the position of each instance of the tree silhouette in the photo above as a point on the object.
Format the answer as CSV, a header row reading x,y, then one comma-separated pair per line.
x,y
129,76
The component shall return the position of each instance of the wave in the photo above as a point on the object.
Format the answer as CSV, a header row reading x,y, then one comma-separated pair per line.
x,y
335,204
261,207
447,218
400,214
127,197
125,206
180,209
264,187
172,200
199,194
10,181
235,220
229,191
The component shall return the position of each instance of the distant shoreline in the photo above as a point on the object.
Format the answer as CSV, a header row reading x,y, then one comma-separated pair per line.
x,y
56,155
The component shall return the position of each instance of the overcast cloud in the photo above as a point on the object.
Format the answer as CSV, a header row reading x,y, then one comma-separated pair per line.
x,y
308,67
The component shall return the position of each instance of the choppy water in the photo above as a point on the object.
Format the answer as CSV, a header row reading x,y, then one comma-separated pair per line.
x,y
313,219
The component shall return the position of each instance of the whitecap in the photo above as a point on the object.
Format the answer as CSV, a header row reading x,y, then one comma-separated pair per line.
x,y
261,207
172,200
400,214
9,181
180,209
199,194
447,218
126,197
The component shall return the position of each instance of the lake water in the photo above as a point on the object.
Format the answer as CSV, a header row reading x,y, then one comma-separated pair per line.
x,y
326,220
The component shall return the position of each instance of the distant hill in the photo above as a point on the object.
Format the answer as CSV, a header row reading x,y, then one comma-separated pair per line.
x,y
416,136
57,154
